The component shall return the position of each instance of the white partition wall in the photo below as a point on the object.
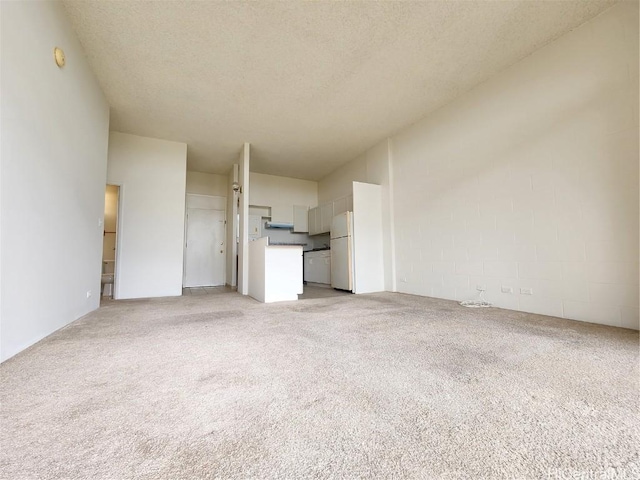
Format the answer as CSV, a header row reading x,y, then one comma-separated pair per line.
x,y
207,184
152,177
367,238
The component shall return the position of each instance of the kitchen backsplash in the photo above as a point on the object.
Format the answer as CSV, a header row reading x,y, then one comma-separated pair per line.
x,y
280,235
321,241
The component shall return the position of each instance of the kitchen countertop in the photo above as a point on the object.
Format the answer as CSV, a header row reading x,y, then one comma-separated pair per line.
x,y
318,250
285,244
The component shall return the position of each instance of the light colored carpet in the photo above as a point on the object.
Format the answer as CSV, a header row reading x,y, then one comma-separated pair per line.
x,y
372,386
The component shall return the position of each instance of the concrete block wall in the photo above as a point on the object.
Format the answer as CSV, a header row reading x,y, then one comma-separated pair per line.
x,y
530,182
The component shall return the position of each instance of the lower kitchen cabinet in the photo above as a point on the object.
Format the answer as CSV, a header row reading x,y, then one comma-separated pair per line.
x,y
317,267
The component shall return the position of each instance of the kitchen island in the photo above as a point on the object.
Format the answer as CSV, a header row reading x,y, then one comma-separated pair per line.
x,y
275,271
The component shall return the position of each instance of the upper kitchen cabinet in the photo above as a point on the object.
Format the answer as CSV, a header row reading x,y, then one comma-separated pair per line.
x,y
300,219
326,215
320,217
314,220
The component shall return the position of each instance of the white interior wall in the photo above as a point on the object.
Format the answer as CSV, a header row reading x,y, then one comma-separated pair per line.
x,y
339,183
284,192
54,129
531,181
151,174
207,184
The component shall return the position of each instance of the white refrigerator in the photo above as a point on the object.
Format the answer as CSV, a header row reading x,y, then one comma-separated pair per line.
x,y
342,252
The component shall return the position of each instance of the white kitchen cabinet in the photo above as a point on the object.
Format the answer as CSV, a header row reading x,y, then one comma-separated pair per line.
x,y
326,214
312,221
320,219
317,267
315,221
300,219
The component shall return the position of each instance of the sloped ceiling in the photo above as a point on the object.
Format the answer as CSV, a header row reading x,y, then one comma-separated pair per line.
x,y
310,85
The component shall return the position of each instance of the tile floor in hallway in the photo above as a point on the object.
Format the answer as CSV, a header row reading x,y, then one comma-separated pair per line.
x,y
207,290
310,291
314,290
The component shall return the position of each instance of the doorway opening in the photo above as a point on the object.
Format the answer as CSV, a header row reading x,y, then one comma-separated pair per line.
x,y
110,240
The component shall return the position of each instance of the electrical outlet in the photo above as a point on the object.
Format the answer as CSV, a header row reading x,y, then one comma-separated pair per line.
x,y
88,293
526,291
403,279
100,222
506,289
481,288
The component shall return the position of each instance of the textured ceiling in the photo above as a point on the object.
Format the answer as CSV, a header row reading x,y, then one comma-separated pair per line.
x,y
310,85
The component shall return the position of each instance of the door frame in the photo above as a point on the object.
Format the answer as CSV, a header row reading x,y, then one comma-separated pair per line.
x,y
218,203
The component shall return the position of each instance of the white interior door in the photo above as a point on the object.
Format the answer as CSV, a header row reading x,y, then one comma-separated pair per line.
x,y
205,248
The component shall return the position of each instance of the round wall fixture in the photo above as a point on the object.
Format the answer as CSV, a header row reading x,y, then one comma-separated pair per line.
x,y
58,55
